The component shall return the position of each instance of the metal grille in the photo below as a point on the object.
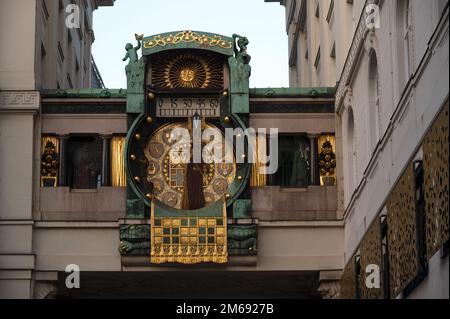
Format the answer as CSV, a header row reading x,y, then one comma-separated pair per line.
x,y
403,262
348,282
370,250
436,158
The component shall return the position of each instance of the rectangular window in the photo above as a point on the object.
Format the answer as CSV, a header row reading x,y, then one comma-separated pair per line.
x,y
293,162
84,162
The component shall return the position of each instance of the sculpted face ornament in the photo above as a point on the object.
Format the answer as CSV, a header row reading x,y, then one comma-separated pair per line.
x,y
187,75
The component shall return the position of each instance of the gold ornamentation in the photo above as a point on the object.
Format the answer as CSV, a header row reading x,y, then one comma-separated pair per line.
x,y
149,120
436,182
170,199
118,176
348,282
401,219
187,71
370,251
188,240
158,186
327,160
188,37
220,185
153,168
49,161
156,149
162,170
258,177
137,137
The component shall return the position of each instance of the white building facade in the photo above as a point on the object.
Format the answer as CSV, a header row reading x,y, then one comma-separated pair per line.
x,y
390,62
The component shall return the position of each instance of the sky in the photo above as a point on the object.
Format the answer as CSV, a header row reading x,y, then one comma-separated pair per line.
x,y
262,23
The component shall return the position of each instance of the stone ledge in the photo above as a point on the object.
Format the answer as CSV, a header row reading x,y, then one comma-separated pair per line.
x,y
144,261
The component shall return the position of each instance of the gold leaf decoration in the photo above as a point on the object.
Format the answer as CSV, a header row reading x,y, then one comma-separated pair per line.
x,y
184,70
188,37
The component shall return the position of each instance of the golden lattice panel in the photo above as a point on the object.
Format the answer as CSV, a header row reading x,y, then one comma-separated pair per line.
x,y
370,250
403,262
348,281
189,240
436,157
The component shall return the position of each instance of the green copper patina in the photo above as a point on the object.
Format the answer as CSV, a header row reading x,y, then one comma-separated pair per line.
x,y
135,239
240,72
135,71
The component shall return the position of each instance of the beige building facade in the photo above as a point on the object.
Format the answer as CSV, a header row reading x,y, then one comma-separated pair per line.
x,y
39,52
391,76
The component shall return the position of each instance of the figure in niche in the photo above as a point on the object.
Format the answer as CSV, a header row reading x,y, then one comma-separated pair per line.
x,y
193,193
85,164
135,67
300,168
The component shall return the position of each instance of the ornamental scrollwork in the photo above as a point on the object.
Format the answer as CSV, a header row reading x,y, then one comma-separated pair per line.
x,y
188,37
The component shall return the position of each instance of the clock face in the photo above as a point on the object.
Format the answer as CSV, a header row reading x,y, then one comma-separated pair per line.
x,y
167,154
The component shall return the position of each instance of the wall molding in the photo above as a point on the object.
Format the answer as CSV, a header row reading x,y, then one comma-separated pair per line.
x,y
19,101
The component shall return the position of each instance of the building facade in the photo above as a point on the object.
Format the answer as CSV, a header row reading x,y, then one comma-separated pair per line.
x,y
39,52
391,70
89,184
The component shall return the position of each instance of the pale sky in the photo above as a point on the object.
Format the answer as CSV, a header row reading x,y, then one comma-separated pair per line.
x,y
262,23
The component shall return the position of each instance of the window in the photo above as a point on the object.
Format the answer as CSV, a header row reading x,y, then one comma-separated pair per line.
x,y
43,66
374,111
408,36
294,162
351,154
84,162
404,28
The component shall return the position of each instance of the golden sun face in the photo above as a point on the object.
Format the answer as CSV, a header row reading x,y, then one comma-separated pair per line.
x,y
187,71
187,75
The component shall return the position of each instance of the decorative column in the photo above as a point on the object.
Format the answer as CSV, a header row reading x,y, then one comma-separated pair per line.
x,y
63,141
314,159
106,162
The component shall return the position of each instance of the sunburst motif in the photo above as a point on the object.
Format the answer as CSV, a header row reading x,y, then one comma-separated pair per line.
x,y
187,71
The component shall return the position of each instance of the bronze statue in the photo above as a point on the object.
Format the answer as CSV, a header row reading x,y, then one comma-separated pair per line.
x,y
132,51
